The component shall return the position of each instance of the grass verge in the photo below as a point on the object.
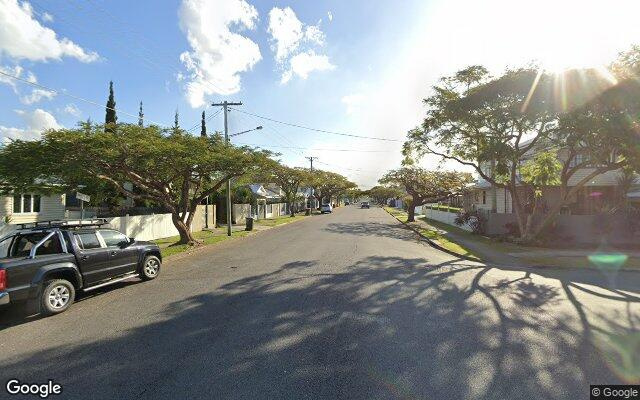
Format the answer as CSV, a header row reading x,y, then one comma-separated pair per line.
x,y
285,219
433,235
169,246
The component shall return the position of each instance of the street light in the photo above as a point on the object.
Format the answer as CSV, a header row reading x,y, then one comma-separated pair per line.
x,y
228,139
257,128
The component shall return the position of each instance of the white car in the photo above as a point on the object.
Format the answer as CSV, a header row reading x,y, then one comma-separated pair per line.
x,y
326,208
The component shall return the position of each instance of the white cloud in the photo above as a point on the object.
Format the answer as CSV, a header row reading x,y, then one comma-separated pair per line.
x,y
23,37
72,109
46,17
353,102
314,34
15,71
304,63
330,16
36,122
293,44
286,31
37,95
217,55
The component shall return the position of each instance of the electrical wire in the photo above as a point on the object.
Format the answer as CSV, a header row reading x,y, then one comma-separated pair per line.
x,y
57,92
316,129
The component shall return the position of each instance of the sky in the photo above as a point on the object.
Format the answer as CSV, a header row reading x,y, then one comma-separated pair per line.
x,y
356,67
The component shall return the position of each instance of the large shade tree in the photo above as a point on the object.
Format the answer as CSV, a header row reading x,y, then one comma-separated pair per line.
x,y
424,186
327,185
381,193
169,168
290,180
496,124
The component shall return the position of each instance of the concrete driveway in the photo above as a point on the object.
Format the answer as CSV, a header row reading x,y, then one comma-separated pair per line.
x,y
349,305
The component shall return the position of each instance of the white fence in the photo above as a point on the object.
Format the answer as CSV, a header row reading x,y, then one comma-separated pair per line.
x,y
445,217
145,227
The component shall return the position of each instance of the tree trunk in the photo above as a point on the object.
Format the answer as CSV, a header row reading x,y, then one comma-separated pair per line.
x,y
411,211
292,211
184,229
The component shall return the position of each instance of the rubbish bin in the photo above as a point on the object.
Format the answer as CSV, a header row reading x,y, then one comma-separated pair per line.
x,y
307,211
249,226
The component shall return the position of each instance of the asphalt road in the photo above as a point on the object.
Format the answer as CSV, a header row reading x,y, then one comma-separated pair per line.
x,y
349,305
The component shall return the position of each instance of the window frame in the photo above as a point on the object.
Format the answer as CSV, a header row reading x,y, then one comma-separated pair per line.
x,y
80,243
104,241
32,203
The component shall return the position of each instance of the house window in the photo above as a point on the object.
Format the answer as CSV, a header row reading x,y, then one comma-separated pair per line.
x,y
578,159
26,203
484,197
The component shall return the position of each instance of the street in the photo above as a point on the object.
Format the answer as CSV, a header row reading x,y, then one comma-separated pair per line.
x,y
348,305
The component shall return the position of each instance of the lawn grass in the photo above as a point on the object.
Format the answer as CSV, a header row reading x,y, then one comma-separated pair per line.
x,y
169,246
434,235
445,208
284,219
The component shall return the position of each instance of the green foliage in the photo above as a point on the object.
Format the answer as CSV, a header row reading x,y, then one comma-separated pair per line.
x,y
203,126
542,170
330,184
288,179
168,167
110,116
382,193
427,186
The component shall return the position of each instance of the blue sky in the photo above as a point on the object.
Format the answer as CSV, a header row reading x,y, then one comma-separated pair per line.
x,y
351,66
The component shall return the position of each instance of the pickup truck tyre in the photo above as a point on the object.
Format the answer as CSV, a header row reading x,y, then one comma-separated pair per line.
x,y
56,296
150,268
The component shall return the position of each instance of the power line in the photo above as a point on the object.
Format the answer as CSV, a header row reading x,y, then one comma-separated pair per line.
x,y
317,130
71,96
209,118
320,149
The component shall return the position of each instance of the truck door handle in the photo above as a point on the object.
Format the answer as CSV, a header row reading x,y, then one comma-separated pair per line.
x,y
84,258
113,252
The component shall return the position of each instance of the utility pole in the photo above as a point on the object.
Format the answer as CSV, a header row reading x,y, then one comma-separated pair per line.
x,y
313,198
225,105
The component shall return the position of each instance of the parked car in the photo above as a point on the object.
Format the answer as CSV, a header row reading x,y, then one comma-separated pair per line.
x,y
47,263
364,204
346,203
326,208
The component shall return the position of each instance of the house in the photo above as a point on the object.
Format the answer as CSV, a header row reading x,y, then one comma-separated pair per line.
x,y
597,196
31,207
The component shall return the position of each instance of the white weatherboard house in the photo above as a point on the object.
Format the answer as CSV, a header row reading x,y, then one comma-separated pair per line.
x,y
31,207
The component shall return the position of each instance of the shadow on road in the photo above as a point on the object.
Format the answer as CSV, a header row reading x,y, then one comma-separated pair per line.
x,y
391,230
387,327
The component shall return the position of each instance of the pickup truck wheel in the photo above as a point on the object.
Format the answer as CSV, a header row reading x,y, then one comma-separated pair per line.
x,y
150,268
57,296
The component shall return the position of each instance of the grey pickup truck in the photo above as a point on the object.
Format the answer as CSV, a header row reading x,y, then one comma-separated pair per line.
x,y
45,264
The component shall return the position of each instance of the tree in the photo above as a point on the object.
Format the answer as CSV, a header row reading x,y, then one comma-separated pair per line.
x,y
172,169
288,179
110,117
176,123
380,194
203,126
495,124
140,116
329,184
426,186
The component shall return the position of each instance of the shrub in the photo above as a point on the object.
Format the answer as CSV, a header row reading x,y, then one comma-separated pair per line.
x,y
476,221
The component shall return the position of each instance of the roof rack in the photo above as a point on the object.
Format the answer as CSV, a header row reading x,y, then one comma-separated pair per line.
x,y
63,224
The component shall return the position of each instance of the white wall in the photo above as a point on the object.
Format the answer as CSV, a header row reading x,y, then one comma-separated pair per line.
x,y
445,217
156,226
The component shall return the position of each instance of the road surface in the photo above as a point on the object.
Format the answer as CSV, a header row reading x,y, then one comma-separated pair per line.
x,y
350,305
